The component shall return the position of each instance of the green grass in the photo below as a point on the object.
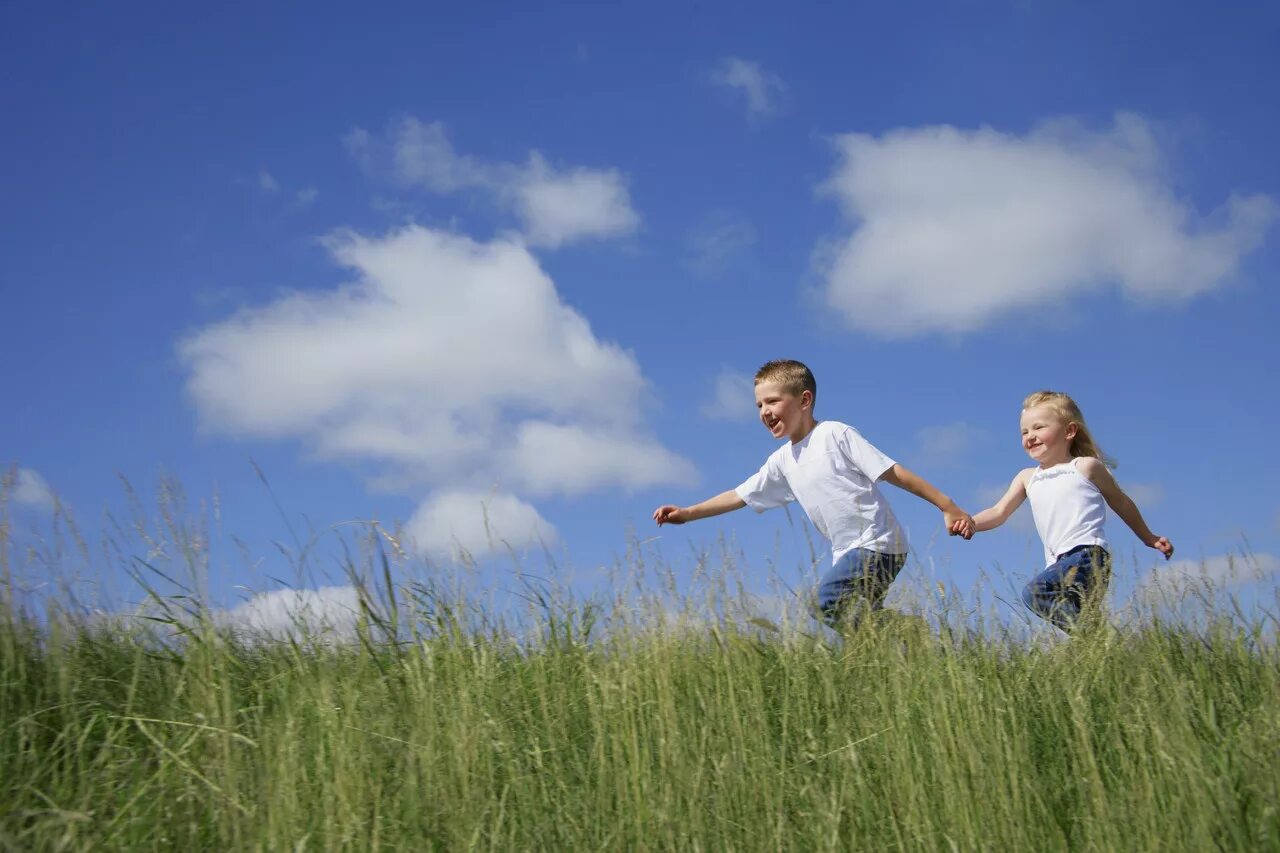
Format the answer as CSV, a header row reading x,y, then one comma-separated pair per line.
x,y
705,738
644,723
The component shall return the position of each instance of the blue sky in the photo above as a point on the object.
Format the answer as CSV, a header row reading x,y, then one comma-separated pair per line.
x,y
413,258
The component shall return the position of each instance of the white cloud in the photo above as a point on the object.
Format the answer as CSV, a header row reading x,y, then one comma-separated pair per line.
x,y
452,362
453,524
27,488
955,228
1022,520
722,237
331,613
423,155
555,206
947,445
560,207
572,459
1173,582
732,399
285,200
988,493
1144,494
763,90
360,144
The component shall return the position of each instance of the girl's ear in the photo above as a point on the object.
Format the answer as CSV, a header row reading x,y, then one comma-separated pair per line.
x,y
1072,429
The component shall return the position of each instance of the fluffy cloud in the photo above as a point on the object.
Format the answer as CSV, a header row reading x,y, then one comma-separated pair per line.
x,y
718,241
554,206
295,200
572,459
988,494
947,445
331,613
560,207
452,525
1175,581
27,488
732,398
763,90
1144,494
450,361
954,228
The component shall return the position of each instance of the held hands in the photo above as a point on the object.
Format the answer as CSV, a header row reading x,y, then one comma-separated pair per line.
x,y
668,514
959,523
1164,546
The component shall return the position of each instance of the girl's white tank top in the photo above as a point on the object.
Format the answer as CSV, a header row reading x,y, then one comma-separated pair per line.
x,y
1068,509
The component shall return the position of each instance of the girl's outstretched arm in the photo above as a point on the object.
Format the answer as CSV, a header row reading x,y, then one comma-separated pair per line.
x,y
994,516
1122,504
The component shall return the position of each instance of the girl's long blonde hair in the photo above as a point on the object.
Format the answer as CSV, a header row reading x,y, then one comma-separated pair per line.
x,y
1083,443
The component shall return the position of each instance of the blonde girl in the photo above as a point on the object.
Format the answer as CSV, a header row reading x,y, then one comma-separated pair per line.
x,y
1067,487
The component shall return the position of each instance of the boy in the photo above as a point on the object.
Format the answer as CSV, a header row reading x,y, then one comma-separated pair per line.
x,y
832,472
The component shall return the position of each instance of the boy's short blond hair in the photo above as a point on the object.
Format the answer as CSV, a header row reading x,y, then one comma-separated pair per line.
x,y
793,376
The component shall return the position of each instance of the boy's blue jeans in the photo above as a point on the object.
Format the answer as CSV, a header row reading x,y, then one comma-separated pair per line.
x,y
855,584
1063,590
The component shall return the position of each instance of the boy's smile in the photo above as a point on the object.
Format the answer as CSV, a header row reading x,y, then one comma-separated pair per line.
x,y
783,413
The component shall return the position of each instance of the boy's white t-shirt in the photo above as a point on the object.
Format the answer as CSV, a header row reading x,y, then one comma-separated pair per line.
x,y
832,473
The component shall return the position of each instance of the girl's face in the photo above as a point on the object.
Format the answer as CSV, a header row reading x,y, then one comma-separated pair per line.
x,y
1045,437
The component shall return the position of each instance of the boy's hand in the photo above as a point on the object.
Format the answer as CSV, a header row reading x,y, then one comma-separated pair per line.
x,y
959,523
668,514
1164,546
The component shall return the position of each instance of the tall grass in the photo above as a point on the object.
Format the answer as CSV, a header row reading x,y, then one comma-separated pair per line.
x,y
597,728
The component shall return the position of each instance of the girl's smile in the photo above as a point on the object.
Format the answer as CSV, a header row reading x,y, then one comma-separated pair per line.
x,y
1045,437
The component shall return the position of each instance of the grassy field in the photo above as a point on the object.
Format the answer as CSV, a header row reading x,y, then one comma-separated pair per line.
x,y
702,738
600,726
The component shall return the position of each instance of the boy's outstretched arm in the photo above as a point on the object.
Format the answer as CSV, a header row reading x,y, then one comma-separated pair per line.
x,y
719,505
1122,504
958,522
994,516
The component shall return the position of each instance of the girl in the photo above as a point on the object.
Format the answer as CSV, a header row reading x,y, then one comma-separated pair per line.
x,y
1067,489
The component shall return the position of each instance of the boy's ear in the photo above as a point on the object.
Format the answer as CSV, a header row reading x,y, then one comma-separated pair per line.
x,y
806,399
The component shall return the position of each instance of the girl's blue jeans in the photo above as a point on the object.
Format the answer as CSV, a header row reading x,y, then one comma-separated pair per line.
x,y
1067,587
856,584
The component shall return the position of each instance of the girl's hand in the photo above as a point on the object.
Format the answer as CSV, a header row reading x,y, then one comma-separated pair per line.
x,y
1164,546
959,523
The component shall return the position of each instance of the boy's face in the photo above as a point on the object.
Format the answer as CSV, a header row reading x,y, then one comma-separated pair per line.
x,y
782,412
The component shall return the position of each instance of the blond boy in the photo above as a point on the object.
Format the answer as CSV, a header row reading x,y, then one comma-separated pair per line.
x,y
832,472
